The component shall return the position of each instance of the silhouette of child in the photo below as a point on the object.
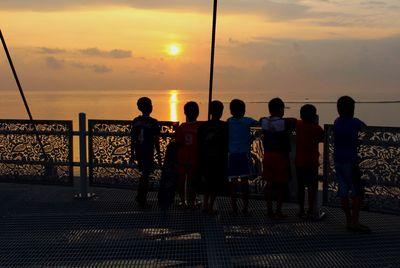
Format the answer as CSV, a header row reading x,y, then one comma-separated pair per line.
x,y
186,139
276,167
213,149
345,130
239,153
145,139
308,135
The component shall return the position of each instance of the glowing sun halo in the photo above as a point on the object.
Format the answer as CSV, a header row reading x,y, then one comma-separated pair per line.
x,y
174,50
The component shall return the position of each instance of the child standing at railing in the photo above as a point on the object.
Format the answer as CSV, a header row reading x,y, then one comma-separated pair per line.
x,y
308,136
345,130
276,167
213,149
144,140
239,153
186,140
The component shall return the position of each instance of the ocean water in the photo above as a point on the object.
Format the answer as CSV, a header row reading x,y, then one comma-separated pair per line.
x,y
168,105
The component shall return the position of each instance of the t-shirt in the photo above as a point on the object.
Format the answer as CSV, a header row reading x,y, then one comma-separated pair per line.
x,y
308,137
186,139
345,131
239,134
144,134
276,131
213,143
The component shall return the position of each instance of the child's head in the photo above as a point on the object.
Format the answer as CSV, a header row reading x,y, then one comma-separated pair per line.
x,y
191,110
238,108
308,113
276,107
144,105
216,109
345,106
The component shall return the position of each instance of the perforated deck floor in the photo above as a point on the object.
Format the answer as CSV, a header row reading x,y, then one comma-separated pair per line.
x,y
43,226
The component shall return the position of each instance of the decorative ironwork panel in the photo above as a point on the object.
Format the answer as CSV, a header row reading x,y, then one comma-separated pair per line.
x,y
22,158
110,153
257,183
379,154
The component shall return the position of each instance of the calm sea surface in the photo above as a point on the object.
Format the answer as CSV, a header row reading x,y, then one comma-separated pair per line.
x,y
168,105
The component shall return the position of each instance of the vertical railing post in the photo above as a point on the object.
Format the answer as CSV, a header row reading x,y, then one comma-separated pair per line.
x,y
83,192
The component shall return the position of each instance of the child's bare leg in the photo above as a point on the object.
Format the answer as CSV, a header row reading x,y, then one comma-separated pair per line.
x,y
205,202
233,186
268,198
280,197
181,189
191,194
212,201
141,196
301,195
312,193
244,183
355,210
345,203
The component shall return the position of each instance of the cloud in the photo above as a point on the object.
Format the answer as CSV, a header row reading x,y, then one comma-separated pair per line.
x,y
54,63
119,53
47,50
93,67
266,8
115,53
313,65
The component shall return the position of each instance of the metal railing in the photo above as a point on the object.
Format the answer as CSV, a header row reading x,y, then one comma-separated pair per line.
x,y
105,158
109,153
379,154
21,155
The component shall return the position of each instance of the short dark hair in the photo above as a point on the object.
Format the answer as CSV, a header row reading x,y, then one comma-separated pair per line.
x,y
144,105
308,113
191,110
345,106
237,107
275,105
216,109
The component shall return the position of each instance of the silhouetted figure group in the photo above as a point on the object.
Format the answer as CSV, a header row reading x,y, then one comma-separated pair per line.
x,y
213,157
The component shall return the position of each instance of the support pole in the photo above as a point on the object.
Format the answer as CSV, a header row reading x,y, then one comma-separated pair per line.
x,y
83,189
15,76
3,41
210,88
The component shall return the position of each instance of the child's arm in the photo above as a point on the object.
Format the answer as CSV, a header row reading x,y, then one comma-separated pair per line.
x,y
290,123
156,136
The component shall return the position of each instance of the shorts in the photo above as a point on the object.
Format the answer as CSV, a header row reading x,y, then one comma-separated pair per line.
x,y
187,172
276,168
346,175
146,166
307,176
239,165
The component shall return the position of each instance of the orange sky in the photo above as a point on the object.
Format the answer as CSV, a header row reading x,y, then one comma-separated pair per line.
x,y
261,45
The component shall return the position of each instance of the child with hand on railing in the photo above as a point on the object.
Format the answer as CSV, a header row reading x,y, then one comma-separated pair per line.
x,y
239,153
187,145
276,166
345,130
308,136
144,140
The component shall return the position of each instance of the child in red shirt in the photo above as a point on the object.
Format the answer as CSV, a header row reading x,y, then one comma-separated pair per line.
x,y
186,140
308,136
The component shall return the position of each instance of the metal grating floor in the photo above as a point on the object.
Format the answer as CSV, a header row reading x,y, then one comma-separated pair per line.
x,y
43,226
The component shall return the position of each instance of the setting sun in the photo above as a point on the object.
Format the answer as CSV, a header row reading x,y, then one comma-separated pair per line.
x,y
174,49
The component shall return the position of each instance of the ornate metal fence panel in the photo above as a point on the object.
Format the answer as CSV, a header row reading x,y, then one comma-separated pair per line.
x,y
256,183
21,156
379,154
110,153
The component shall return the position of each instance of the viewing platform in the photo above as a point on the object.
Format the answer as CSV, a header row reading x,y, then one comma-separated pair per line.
x,y
44,226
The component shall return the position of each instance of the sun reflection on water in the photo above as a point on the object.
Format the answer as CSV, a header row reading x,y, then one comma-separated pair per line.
x,y
173,105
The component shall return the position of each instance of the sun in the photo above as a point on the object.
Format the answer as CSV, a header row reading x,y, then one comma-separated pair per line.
x,y
174,49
